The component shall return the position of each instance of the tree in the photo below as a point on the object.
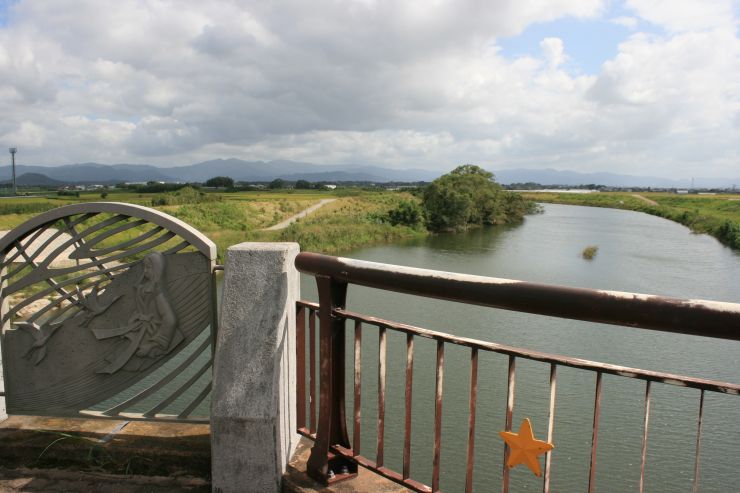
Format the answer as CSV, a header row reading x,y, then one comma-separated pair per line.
x,y
406,213
220,182
277,183
469,195
302,184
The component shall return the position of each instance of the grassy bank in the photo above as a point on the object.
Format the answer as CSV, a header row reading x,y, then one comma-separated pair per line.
x,y
717,215
356,218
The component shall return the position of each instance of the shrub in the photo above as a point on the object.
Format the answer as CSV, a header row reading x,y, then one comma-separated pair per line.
x,y
406,213
589,252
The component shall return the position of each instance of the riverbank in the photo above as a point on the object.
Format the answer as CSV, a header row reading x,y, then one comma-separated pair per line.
x,y
716,215
347,219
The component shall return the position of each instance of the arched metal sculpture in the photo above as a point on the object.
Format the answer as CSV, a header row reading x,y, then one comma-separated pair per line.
x,y
105,311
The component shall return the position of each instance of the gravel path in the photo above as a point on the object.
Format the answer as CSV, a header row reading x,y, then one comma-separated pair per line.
x,y
62,260
304,213
645,199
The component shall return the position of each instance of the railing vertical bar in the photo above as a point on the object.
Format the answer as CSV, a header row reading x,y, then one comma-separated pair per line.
x,y
698,443
300,350
509,416
312,369
645,435
595,435
471,419
550,424
356,430
409,386
438,415
381,396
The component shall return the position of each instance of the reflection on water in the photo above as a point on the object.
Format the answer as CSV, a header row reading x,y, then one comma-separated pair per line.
x,y
637,253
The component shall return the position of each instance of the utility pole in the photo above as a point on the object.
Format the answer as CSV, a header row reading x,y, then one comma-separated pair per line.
x,y
13,150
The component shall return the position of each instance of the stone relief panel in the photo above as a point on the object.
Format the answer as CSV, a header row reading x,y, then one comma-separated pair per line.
x,y
108,321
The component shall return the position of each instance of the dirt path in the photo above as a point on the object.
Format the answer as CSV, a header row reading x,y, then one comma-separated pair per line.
x,y
645,199
304,213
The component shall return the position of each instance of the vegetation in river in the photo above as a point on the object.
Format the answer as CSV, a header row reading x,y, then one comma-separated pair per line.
x,y
469,196
717,215
589,252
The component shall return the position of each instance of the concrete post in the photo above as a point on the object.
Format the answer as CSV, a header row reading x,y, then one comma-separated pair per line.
x,y
253,418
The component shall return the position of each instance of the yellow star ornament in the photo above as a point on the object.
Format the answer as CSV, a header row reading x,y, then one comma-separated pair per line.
x,y
524,447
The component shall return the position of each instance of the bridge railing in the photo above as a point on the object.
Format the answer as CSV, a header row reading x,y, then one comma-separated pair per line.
x,y
335,456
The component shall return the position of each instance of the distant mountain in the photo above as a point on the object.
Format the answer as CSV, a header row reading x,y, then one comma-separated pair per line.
x,y
240,170
292,170
32,179
237,169
562,177
92,173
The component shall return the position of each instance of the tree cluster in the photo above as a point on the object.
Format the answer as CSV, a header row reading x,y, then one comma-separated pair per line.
x,y
470,196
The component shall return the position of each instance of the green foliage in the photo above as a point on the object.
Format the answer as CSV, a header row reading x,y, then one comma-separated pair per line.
x,y
212,216
220,182
302,185
467,196
68,193
25,207
276,184
104,195
406,213
185,195
156,187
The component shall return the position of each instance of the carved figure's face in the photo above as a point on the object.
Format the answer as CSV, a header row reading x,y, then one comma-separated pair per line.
x,y
148,268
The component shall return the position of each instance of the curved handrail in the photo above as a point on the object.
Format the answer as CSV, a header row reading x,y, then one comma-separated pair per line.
x,y
686,316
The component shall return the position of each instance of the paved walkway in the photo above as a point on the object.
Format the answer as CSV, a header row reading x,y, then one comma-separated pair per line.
x,y
304,213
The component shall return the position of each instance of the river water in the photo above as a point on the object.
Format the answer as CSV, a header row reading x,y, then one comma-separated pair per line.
x,y
637,253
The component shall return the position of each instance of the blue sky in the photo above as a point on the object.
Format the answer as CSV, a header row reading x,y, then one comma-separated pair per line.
x,y
4,7
588,42
646,87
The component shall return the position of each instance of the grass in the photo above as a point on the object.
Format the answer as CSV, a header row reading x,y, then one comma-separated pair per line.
x,y
354,219
716,215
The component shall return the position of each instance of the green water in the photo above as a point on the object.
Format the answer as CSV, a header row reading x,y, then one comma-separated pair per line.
x,y
637,253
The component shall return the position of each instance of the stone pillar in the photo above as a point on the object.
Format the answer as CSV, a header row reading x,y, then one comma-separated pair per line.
x,y
253,419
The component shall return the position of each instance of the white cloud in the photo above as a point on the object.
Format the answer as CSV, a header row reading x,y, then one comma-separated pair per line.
x,y
553,50
686,15
625,21
383,82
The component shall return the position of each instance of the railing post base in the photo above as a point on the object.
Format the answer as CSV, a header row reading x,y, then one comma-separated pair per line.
x,y
324,466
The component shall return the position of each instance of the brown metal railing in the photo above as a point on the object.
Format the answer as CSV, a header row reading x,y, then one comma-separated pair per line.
x,y
334,457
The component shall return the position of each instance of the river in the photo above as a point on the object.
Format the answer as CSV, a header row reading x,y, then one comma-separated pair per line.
x,y
637,253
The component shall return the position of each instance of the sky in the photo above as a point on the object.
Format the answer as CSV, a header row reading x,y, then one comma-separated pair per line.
x,y
645,87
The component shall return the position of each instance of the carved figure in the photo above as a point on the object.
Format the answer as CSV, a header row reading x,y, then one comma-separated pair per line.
x,y
152,329
41,336
91,305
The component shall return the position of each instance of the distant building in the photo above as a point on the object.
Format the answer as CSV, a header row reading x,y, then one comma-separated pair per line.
x,y
682,192
330,187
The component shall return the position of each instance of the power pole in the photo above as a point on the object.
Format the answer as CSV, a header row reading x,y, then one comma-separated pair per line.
x,y
13,150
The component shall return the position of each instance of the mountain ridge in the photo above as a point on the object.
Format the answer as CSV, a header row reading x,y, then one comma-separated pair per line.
x,y
255,171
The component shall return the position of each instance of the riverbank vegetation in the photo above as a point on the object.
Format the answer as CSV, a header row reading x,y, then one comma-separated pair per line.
x,y
469,196
357,216
716,215
589,252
